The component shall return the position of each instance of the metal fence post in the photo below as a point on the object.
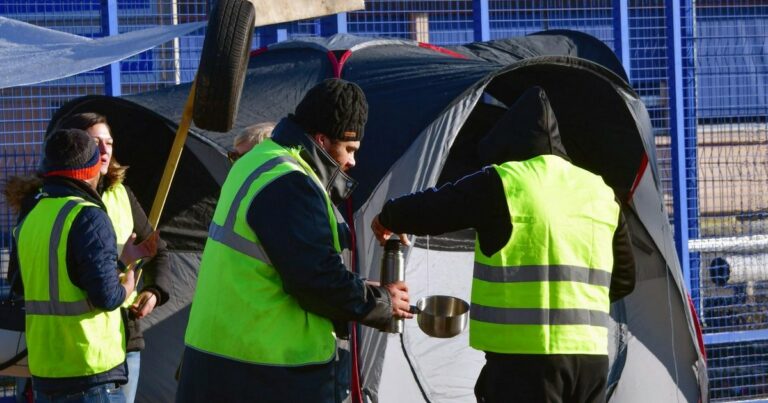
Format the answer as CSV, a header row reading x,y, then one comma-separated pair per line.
x,y
112,83
333,24
621,34
683,134
481,20
267,35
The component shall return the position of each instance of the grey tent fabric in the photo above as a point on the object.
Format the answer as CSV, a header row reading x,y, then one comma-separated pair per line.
x,y
544,71
428,109
30,54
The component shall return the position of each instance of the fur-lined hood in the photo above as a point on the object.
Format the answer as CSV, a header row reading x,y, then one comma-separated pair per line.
x,y
21,190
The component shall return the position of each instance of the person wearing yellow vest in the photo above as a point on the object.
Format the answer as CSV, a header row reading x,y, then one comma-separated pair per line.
x,y
552,251
127,217
65,251
274,296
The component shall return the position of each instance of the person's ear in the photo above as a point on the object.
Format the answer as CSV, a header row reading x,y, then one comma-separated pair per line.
x,y
320,139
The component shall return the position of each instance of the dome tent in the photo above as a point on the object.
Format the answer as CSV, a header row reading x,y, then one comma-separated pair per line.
x,y
429,107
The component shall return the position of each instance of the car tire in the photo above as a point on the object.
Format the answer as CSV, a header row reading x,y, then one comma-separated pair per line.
x,y
223,63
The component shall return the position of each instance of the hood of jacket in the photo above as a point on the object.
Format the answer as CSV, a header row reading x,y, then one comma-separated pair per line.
x,y
528,129
57,186
338,184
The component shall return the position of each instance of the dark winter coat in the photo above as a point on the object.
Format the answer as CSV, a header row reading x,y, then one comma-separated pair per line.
x,y
317,277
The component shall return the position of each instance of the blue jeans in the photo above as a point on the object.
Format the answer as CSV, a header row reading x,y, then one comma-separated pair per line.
x,y
21,388
133,359
107,393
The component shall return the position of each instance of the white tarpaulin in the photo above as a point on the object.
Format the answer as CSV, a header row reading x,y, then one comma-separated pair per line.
x,y
30,54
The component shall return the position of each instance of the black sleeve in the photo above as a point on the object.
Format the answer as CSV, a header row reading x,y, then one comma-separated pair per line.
x,y
157,273
475,201
623,275
291,220
92,258
14,277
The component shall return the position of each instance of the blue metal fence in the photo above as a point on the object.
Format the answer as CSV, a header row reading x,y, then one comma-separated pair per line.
x,y
731,172
521,17
700,67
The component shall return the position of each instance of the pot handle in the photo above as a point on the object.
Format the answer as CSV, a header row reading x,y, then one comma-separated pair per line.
x,y
414,310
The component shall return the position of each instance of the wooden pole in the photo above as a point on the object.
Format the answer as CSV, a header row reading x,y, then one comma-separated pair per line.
x,y
170,168
173,160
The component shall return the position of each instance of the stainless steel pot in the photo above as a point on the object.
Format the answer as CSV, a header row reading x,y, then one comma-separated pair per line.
x,y
441,315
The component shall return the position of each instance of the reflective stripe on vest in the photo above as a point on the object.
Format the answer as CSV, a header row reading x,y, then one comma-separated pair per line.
x,y
546,290
226,233
538,316
120,212
54,306
230,238
239,293
522,274
66,336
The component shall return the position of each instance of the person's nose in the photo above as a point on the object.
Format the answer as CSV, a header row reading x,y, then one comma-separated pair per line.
x,y
351,162
102,148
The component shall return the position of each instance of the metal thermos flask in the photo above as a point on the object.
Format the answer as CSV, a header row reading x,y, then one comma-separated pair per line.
x,y
392,269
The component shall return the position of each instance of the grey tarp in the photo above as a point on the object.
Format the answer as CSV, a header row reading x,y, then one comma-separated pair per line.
x,y
428,108
30,54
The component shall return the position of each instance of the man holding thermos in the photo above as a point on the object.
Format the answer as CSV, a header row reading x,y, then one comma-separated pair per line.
x,y
273,290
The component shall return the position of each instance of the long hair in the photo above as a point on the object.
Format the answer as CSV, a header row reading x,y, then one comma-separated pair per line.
x,y
116,171
18,188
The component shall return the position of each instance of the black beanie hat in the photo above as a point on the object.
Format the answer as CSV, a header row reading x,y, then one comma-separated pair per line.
x,y
70,153
333,107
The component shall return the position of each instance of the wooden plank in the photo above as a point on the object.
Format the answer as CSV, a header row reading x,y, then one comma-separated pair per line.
x,y
270,12
732,168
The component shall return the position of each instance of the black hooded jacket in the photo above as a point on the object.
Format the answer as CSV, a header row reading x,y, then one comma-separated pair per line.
x,y
527,130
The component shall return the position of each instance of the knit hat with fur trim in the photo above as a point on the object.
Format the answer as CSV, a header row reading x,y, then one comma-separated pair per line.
x,y
336,108
71,153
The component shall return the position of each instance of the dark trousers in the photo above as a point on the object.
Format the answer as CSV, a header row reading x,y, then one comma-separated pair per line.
x,y
542,378
206,378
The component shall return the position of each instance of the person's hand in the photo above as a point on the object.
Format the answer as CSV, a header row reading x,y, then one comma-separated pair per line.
x,y
382,233
133,252
401,306
144,304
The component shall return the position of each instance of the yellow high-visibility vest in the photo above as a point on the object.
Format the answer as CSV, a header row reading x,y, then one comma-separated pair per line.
x,y
66,336
546,290
118,206
240,310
